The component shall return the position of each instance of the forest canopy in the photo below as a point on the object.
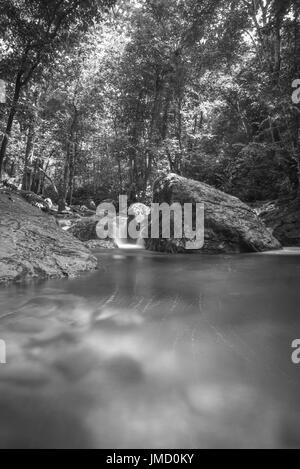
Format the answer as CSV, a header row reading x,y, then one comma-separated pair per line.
x,y
104,96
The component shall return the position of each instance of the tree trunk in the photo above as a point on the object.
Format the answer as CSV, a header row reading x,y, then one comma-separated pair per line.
x,y
50,180
10,120
120,176
28,152
31,136
44,172
65,190
296,148
69,162
277,53
72,171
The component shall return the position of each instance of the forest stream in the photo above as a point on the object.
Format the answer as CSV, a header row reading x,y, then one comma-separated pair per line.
x,y
156,351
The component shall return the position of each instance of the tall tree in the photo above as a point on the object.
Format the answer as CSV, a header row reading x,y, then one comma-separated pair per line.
x,y
36,30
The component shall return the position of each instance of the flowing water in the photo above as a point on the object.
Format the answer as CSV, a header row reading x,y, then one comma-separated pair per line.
x,y
154,351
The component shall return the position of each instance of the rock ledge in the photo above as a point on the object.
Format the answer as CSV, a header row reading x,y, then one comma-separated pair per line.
x,y
33,246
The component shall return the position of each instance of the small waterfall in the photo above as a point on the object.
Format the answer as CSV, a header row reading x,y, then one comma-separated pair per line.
x,y
126,243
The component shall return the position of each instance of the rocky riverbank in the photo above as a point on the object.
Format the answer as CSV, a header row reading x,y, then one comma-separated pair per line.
x,y
37,244
34,246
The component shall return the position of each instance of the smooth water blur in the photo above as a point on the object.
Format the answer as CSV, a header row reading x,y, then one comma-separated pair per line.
x,y
154,351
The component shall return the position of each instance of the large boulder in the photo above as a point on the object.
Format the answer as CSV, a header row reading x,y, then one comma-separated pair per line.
x,y
33,246
230,225
85,229
283,218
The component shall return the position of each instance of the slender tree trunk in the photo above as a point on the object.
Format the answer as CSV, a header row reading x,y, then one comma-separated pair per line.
x,y
69,163
277,53
179,155
28,152
38,179
44,172
50,180
296,148
31,136
120,176
63,201
148,171
10,120
72,171
12,169
165,121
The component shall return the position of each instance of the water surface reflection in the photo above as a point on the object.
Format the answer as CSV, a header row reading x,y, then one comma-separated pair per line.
x,y
154,351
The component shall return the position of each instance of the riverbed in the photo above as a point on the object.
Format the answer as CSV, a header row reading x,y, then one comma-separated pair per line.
x,y
154,351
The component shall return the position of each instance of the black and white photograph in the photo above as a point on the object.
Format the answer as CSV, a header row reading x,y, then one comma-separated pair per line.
x,y
149,227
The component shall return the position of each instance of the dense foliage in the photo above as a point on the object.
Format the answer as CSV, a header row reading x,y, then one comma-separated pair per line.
x,y
104,96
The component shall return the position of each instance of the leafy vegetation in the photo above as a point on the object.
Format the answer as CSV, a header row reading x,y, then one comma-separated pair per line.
x,y
104,96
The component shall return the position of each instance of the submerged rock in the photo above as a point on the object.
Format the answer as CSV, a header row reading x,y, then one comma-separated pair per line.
x,y
230,225
33,246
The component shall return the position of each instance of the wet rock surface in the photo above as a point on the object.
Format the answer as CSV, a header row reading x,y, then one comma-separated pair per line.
x,y
283,218
101,244
33,246
230,225
85,229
